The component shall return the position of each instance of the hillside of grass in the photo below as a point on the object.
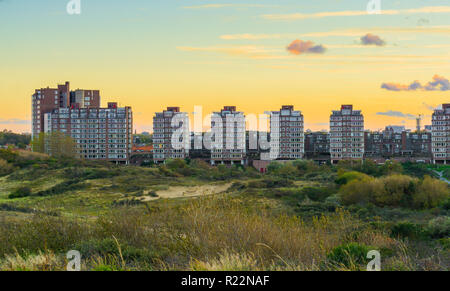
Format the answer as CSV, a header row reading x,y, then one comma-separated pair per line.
x,y
187,215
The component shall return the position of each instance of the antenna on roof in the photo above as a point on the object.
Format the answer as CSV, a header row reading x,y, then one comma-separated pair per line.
x,y
419,123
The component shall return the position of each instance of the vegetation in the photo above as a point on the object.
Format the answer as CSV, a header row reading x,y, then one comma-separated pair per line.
x,y
57,144
187,215
18,140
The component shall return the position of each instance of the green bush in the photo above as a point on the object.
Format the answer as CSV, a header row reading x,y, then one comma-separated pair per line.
x,y
317,193
431,193
350,256
20,192
5,168
346,177
445,243
270,183
407,230
439,227
71,185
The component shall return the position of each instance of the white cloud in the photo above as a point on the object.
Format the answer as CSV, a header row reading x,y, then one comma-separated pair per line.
x,y
300,16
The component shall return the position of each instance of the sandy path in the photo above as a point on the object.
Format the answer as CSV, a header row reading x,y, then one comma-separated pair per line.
x,y
183,191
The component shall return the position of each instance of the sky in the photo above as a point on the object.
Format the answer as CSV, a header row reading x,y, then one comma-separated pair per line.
x,y
256,55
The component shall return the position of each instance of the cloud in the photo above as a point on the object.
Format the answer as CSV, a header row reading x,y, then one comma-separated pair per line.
x,y
300,16
298,47
438,84
14,120
249,36
254,52
351,32
391,113
216,6
372,39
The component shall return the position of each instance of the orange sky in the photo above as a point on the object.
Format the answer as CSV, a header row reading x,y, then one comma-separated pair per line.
x,y
150,56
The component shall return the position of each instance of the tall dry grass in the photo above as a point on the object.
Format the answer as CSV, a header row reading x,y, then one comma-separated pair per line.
x,y
208,233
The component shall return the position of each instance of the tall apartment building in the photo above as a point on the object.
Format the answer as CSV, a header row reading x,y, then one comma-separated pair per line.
x,y
99,133
228,137
286,128
165,124
346,134
85,98
441,135
45,100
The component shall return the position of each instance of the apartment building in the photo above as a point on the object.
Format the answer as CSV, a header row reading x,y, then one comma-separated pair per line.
x,y
317,146
391,143
228,137
441,135
287,134
85,98
45,100
346,134
99,133
169,125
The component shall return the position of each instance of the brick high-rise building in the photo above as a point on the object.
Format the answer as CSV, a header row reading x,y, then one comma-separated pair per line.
x,y
291,140
99,133
228,137
346,134
165,124
85,98
45,100
441,135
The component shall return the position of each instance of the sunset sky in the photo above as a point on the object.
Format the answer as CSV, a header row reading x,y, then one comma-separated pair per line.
x,y
256,55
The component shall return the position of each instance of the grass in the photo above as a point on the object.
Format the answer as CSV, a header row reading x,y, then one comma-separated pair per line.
x,y
259,223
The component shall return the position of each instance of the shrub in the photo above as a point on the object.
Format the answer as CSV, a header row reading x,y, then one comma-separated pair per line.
x,y
430,193
350,256
439,227
63,187
407,230
360,191
398,190
346,177
317,193
5,168
20,192
270,183
446,204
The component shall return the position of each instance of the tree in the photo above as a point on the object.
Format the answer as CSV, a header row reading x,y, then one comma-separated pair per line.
x,y
38,143
56,144
430,193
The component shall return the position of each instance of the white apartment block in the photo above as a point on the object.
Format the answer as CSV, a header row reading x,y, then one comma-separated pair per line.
x,y
171,136
228,137
441,135
346,134
287,133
